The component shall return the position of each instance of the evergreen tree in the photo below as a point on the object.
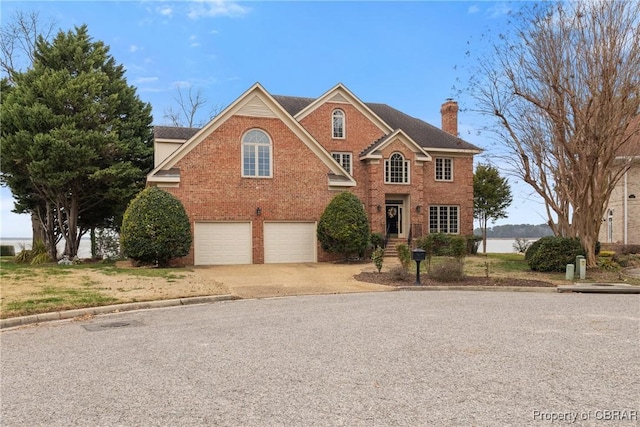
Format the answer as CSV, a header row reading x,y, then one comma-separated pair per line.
x,y
76,139
491,197
343,226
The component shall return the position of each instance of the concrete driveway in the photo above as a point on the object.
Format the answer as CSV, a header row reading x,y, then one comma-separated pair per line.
x,y
272,280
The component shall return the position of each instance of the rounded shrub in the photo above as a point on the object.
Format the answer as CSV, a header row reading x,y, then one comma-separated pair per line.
x,y
554,253
155,228
343,227
533,247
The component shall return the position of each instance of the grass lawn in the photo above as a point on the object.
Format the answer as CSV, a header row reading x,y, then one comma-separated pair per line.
x,y
27,289
31,289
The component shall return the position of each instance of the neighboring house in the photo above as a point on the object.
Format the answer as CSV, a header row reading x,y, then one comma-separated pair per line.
x,y
256,179
621,224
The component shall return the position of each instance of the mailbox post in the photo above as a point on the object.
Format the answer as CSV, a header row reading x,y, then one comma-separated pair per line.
x,y
418,256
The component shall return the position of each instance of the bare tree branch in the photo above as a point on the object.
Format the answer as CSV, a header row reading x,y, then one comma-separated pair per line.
x,y
563,88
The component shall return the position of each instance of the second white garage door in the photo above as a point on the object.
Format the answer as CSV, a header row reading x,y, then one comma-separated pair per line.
x,y
289,242
219,243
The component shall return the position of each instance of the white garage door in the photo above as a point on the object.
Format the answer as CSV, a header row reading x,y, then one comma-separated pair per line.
x,y
289,242
217,243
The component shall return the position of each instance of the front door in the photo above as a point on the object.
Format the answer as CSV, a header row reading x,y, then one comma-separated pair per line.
x,y
394,219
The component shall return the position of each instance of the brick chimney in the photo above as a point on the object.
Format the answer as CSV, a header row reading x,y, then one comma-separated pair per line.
x,y
449,113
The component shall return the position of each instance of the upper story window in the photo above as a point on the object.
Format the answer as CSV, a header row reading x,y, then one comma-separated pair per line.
x,y
338,123
396,169
256,154
345,161
444,169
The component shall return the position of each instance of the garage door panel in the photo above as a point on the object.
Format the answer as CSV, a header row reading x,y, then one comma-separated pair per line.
x,y
222,243
289,242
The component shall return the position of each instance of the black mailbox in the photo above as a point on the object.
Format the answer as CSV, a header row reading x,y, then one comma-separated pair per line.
x,y
418,256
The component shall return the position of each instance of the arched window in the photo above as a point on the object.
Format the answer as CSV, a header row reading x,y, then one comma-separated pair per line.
x,y
338,123
256,154
396,169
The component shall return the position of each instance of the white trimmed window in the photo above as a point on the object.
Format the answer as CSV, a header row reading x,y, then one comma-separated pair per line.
x,y
444,169
256,154
396,169
344,159
444,219
337,119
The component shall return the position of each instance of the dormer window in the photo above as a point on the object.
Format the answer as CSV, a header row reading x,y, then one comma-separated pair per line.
x,y
338,124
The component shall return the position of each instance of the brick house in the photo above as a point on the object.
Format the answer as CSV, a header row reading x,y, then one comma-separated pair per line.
x,y
621,224
256,179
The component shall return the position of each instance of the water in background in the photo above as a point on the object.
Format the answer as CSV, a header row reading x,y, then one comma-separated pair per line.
x,y
501,246
84,250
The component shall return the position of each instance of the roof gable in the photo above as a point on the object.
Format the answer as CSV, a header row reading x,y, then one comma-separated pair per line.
x,y
373,151
422,133
256,102
340,94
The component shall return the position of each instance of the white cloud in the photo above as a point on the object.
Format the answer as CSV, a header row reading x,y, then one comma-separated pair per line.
x,y
473,9
213,8
165,11
133,48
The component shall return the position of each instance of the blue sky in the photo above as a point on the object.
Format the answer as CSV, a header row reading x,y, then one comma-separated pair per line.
x,y
409,55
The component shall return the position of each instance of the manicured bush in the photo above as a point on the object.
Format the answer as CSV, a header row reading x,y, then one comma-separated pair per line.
x,y
343,227
533,247
457,247
378,257
440,243
155,228
377,240
404,254
554,253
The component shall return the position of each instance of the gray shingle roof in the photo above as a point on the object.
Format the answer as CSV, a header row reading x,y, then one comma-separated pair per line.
x,y
174,132
424,134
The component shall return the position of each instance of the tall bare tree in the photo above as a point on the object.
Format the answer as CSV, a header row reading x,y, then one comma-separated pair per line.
x,y
188,105
563,86
18,39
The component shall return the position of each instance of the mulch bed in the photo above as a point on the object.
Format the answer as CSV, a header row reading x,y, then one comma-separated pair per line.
x,y
388,279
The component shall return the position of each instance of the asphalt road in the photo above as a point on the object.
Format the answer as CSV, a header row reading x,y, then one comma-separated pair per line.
x,y
377,359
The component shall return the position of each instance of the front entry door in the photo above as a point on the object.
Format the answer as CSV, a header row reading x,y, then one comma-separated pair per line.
x,y
394,219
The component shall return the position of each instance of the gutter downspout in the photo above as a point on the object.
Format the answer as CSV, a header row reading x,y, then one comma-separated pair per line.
x,y
626,214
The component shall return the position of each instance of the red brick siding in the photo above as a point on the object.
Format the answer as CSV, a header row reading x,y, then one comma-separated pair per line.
x,y
212,188
457,192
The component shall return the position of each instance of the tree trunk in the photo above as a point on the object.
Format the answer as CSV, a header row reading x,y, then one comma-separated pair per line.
x,y
484,235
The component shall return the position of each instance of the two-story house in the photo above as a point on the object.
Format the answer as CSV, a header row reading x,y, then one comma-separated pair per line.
x,y
621,224
256,179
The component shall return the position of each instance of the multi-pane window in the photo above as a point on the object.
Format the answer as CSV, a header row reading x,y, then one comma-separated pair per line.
x,y
345,161
256,154
444,169
443,219
396,169
338,123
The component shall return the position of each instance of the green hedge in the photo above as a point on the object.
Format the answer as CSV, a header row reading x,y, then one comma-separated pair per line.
x,y
553,253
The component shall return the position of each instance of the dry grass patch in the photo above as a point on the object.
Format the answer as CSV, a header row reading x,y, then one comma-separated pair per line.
x,y
30,289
